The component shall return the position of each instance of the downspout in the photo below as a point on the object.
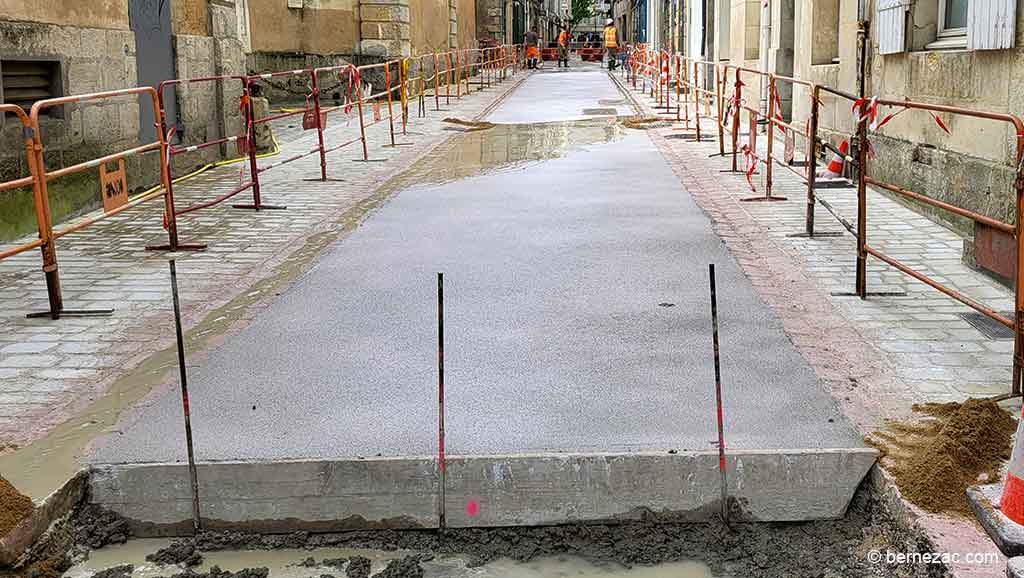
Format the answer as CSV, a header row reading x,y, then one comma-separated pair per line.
x,y
766,42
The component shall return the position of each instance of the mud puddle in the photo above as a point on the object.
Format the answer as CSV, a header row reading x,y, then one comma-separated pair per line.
x,y
41,467
302,563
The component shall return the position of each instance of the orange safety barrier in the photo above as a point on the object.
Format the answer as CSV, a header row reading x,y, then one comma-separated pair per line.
x,y
644,66
490,64
113,184
42,211
348,76
243,142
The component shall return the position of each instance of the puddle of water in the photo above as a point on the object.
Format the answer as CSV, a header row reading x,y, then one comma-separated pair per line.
x,y
44,465
284,564
507,147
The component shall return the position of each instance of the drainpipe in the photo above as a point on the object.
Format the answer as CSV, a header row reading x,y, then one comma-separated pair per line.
x,y
766,42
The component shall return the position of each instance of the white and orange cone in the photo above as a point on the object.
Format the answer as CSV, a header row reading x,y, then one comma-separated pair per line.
x,y
834,170
1012,501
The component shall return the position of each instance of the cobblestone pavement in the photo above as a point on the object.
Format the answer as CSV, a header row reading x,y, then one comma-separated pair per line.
x,y
877,356
49,370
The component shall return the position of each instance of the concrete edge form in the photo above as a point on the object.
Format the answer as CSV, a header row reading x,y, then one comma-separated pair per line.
x,y
49,510
1007,535
510,490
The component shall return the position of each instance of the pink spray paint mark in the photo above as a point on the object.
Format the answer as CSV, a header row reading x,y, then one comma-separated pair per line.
x,y
471,508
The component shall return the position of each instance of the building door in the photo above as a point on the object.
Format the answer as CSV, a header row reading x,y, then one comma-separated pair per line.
x,y
150,20
518,22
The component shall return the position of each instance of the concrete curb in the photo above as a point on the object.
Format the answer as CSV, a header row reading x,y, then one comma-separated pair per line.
x,y
1007,535
52,508
511,490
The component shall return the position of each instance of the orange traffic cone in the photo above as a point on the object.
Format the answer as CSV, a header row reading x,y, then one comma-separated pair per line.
x,y
834,170
1012,501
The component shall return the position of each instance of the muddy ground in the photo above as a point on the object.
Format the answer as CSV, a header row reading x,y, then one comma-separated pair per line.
x,y
827,549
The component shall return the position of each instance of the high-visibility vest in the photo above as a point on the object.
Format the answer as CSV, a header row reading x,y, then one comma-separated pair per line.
x,y
609,37
563,38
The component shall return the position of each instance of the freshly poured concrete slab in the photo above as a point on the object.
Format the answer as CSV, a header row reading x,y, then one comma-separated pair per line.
x,y
559,95
577,322
515,490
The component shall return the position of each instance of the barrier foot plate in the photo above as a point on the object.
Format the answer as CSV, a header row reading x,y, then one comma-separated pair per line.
x,y
869,294
71,313
180,247
738,172
816,235
398,144
327,180
369,160
762,198
261,207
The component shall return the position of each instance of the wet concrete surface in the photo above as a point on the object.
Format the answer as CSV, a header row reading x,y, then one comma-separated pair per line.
x,y
296,563
558,95
577,317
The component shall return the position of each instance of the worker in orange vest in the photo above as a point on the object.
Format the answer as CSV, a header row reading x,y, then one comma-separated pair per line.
x,y
563,48
611,43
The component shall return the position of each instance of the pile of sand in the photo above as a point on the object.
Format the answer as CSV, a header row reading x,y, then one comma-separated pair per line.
x,y
14,507
948,447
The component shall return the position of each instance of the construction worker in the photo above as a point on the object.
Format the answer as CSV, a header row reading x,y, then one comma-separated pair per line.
x,y
532,40
611,43
563,48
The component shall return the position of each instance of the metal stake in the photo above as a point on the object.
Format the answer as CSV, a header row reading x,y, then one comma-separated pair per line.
x,y
440,395
718,395
184,401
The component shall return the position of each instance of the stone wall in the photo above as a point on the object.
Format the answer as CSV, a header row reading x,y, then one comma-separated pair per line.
x,y
90,60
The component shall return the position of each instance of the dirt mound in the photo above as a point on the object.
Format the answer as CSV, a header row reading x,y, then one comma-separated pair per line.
x,y
947,447
14,507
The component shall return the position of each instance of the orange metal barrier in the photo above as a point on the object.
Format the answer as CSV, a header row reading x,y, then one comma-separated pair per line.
x,y
1014,230
243,141
114,187
646,66
349,76
490,65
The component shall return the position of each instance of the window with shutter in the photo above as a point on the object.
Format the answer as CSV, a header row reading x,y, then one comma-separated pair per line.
x,y
892,26
991,24
23,82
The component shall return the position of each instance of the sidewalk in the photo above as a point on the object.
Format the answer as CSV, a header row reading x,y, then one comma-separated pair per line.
x,y
52,370
877,356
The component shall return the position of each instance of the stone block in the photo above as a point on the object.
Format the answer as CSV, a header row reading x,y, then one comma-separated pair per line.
x,y
383,13
385,47
224,20
384,31
83,76
93,43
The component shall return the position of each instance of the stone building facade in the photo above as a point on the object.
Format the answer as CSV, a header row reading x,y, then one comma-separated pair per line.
x,y
963,53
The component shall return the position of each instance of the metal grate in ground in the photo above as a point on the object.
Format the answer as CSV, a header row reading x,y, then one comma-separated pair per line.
x,y
989,327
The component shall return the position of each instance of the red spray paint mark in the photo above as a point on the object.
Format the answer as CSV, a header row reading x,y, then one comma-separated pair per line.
x,y
471,508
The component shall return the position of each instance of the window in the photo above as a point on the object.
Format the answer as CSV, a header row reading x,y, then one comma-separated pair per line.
x,y
23,82
952,18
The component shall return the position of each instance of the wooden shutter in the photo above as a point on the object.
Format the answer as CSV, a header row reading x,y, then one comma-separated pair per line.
x,y
990,24
892,26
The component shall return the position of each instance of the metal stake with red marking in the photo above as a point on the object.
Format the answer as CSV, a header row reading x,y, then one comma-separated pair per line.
x,y
193,477
440,396
718,395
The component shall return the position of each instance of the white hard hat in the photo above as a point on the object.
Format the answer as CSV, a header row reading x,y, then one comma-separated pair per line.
x,y
608,22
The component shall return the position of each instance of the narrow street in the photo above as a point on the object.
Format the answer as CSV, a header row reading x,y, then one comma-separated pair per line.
x,y
577,316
